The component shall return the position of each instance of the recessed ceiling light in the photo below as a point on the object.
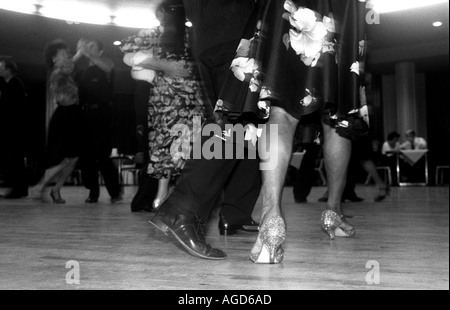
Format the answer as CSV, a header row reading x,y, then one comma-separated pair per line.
x,y
437,24
117,43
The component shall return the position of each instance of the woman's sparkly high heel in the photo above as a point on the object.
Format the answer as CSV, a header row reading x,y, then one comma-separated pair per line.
x,y
56,197
272,234
383,193
334,225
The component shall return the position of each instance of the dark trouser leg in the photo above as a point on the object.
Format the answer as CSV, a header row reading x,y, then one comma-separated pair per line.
x,y
89,171
15,174
349,191
305,176
199,186
148,187
241,192
111,176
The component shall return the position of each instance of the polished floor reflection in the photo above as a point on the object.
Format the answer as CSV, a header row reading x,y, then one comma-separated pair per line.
x,y
407,237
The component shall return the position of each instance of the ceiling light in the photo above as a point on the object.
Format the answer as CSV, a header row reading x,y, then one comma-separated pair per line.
x,y
388,6
188,24
437,24
27,7
76,12
117,43
136,18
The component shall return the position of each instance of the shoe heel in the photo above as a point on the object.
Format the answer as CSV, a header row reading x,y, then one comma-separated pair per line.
x,y
333,225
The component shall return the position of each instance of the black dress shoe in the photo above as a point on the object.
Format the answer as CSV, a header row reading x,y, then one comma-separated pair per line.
x,y
188,231
353,199
91,200
228,229
143,209
17,194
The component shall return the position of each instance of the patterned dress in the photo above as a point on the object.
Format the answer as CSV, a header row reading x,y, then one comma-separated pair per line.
x,y
65,136
175,111
303,56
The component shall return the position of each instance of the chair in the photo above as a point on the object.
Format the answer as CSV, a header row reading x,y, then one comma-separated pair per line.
x,y
440,174
387,175
130,175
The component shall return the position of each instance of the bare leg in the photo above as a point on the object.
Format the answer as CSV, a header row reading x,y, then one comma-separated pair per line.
x,y
337,151
371,169
274,179
65,174
383,189
49,175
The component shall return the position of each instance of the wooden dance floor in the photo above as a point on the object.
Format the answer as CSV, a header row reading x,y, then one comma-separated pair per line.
x,y
405,238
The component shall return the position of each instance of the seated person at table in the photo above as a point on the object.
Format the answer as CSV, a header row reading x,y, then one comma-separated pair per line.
x,y
413,142
388,151
413,171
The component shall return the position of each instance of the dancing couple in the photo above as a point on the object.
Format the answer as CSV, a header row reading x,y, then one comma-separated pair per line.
x,y
294,58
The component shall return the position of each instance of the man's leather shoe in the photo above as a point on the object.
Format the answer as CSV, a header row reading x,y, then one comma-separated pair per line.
x,y
188,231
228,229
147,209
17,194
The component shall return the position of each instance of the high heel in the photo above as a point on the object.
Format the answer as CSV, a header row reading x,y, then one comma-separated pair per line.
x,y
56,197
334,225
272,234
383,193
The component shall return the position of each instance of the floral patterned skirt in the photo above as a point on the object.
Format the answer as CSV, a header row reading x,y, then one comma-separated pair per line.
x,y
302,56
173,106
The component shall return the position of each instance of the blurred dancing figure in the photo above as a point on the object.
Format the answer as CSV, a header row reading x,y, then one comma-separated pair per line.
x,y
64,134
13,130
96,96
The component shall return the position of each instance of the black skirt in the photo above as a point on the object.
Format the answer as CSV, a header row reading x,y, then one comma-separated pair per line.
x,y
65,135
302,56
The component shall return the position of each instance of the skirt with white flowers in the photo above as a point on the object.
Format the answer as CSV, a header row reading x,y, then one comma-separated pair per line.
x,y
302,56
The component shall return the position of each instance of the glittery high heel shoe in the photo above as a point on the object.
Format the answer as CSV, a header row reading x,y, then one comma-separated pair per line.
x,y
272,234
334,225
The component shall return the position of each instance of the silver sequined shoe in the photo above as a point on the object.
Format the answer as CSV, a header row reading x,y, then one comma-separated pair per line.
x,y
334,225
272,234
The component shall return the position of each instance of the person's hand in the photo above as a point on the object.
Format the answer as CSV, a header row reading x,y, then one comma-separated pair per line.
x,y
176,70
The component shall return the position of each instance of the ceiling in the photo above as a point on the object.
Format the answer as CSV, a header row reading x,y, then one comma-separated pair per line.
x,y
402,36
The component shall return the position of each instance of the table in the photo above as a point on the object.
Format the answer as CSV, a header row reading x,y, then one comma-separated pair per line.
x,y
412,157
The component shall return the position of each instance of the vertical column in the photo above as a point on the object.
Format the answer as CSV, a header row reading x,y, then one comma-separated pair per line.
x,y
411,104
389,93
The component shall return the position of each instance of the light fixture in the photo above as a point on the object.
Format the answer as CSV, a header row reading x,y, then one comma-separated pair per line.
x,y
127,15
117,43
189,24
136,18
77,12
437,24
24,6
389,6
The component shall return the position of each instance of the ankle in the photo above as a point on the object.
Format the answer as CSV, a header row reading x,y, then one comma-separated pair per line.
x,y
335,208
